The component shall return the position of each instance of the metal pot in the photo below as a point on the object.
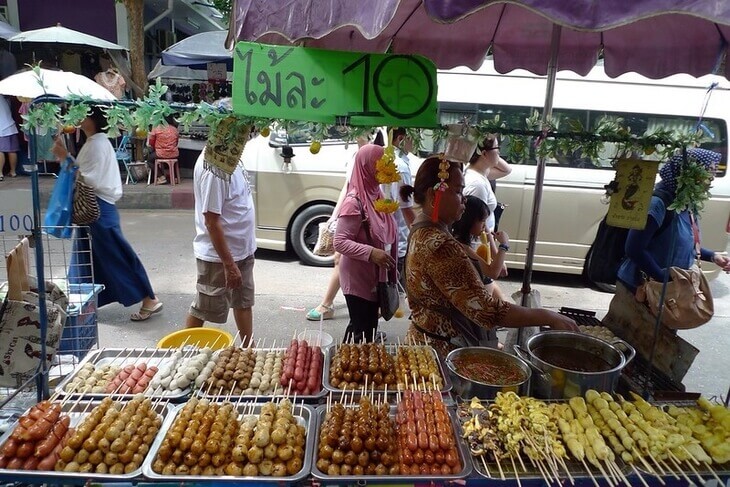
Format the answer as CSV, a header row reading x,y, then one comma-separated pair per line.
x,y
467,388
562,382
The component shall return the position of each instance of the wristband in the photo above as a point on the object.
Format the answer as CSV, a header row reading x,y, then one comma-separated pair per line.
x,y
503,247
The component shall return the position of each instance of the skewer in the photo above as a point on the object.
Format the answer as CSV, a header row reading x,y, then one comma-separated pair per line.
x,y
342,396
230,393
235,337
486,469
514,467
499,466
605,475
681,470
638,474
669,469
648,467
694,470
567,472
712,471
590,474
612,473
543,473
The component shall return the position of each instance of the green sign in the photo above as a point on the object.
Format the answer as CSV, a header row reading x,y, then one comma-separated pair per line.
x,y
333,87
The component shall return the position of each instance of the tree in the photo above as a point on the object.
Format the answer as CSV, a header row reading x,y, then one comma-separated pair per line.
x,y
135,20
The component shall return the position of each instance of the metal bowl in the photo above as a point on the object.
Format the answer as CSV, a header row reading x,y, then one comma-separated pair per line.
x,y
467,388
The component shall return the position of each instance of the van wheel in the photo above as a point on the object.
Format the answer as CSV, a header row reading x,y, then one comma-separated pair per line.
x,y
304,232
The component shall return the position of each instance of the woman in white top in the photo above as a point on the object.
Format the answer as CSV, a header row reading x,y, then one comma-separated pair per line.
x,y
114,262
486,165
8,139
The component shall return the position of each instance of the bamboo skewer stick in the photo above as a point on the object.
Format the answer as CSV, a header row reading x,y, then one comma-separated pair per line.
x,y
712,471
514,467
681,470
668,469
590,474
567,471
605,475
611,473
638,474
499,466
486,468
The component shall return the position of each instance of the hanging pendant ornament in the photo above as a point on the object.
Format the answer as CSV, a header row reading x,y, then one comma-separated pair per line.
x,y
386,172
460,146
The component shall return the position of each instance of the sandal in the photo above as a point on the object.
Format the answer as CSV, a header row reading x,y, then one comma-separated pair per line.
x,y
315,314
144,314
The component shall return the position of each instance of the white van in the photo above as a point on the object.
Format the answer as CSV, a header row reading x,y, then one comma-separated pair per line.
x,y
289,205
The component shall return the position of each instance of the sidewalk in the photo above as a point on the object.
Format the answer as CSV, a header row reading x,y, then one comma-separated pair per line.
x,y
136,196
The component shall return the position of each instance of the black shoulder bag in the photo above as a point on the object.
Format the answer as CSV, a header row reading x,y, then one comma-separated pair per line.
x,y
388,298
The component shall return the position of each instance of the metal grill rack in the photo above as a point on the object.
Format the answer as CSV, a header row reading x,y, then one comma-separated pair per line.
x,y
64,264
637,376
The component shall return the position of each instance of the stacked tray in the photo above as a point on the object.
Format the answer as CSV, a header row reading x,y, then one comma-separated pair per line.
x,y
119,358
243,378
423,378
78,411
463,454
303,415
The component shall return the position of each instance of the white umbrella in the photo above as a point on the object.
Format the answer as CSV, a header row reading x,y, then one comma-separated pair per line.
x,y
62,35
38,82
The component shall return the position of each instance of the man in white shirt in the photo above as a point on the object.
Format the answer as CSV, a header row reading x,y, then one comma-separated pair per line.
x,y
224,247
405,214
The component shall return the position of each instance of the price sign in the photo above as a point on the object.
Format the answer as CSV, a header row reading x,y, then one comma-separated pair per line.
x,y
217,71
16,212
317,85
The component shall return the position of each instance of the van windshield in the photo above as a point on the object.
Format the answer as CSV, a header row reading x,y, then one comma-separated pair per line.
x,y
714,131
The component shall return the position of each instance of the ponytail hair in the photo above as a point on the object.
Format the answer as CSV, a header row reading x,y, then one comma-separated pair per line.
x,y
426,178
488,142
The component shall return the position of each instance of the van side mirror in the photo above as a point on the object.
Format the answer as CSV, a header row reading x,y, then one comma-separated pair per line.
x,y
273,143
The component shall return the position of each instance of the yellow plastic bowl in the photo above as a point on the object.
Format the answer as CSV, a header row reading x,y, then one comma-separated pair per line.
x,y
200,337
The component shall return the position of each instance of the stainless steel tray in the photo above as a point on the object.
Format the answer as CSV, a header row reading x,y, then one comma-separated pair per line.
x,y
302,412
75,409
123,357
464,456
391,349
310,398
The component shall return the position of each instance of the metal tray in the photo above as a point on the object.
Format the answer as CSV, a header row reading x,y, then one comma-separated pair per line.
x,y
391,349
305,417
464,456
122,357
310,398
574,467
76,411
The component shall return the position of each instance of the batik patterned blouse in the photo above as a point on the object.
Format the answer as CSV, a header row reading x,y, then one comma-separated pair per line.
x,y
440,278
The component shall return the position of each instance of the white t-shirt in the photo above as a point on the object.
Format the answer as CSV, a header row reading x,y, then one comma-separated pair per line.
x,y
7,124
475,184
392,191
97,161
232,200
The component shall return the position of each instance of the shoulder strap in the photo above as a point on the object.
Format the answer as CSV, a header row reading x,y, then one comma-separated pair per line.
x,y
668,214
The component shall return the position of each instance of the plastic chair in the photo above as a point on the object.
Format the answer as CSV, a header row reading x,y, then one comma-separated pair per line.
x,y
124,156
173,170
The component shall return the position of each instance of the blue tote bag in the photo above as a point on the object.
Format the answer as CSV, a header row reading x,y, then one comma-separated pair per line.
x,y
58,215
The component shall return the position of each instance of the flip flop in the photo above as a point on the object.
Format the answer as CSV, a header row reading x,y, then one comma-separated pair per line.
x,y
145,313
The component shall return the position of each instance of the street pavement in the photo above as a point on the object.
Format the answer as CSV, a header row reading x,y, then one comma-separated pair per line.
x,y
285,289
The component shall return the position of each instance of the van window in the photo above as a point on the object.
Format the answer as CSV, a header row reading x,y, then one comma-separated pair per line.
x,y
301,133
715,132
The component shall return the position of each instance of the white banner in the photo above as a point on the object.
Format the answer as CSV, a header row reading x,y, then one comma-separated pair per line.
x,y
16,212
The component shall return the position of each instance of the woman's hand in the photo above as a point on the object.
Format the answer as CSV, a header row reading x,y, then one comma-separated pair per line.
x,y
382,258
722,261
59,149
561,322
501,237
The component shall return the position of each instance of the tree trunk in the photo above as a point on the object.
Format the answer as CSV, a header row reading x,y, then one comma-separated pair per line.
x,y
135,18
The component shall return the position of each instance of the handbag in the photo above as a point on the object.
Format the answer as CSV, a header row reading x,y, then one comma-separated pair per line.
x,y
57,221
387,291
687,301
325,246
20,324
85,206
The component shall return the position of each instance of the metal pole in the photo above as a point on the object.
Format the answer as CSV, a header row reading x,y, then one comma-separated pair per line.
x,y
540,176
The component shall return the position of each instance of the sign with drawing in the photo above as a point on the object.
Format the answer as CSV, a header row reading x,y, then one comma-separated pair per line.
x,y
630,203
317,85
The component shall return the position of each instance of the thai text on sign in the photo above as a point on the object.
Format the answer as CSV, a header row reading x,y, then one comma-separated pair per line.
x,y
317,85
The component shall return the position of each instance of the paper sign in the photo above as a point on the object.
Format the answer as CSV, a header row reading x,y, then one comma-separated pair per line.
x,y
217,71
317,85
224,148
630,203
16,212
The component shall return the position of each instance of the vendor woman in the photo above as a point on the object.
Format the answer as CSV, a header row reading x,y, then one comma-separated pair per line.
x,y
442,284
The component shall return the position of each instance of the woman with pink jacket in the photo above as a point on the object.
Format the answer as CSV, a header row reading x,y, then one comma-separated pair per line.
x,y
367,240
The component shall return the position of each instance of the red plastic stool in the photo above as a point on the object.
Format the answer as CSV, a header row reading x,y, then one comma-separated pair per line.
x,y
173,169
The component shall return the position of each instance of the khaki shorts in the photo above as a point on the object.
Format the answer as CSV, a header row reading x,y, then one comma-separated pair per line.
x,y
213,300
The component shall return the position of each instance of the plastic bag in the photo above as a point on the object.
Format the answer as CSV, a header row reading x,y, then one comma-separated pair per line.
x,y
58,215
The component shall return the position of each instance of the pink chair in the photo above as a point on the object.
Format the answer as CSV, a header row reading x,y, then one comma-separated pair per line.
x,y
173,170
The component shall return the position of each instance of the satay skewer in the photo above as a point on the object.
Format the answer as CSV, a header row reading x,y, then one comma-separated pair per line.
x,y
681,470
486,468
514,467
668,468
499,467
712,471
590,473
648,467
638,474
567,471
